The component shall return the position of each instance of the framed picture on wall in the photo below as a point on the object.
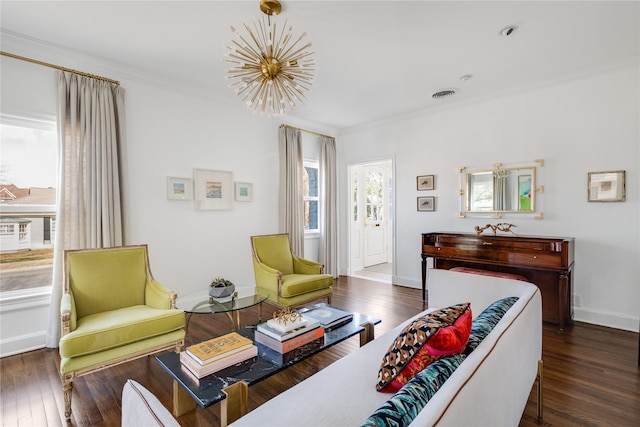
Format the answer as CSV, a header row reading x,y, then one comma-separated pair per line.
x,y
178,188
244,192
607,186
426,204
213,190
425,182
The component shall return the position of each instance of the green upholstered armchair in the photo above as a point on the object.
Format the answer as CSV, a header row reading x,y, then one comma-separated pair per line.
x,y
290,281
113,311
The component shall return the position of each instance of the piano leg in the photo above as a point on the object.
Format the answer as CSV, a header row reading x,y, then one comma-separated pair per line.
x,y
563,301
424,278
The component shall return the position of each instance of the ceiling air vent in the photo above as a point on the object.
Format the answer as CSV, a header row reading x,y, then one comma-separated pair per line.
x,y
443,94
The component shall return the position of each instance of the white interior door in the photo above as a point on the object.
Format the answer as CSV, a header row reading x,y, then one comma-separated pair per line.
x,y
376,207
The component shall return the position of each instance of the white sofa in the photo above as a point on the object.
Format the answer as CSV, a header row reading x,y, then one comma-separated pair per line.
x,y
490,388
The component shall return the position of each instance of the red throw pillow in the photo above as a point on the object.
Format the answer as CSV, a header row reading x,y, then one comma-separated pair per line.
x,y
437,334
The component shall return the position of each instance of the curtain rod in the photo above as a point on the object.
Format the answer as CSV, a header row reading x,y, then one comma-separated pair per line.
x,y
308,131
57,67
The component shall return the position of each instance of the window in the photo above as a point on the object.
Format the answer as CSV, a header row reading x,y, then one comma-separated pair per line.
x,y
22,234
28,173
310,192
374,197
7,229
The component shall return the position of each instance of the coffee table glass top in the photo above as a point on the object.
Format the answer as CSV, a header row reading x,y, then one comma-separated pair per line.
x,y
200,302
208,390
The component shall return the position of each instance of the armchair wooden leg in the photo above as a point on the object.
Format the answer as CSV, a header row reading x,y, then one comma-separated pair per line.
x,y
67,386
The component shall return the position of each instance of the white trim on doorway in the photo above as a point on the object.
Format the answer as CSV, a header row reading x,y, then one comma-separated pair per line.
x,y
355,264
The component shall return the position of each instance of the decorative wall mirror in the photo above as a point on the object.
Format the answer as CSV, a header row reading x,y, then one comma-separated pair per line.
x,y
501,190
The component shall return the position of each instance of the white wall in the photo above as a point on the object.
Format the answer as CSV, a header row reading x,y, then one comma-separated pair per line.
x,y
169,132
586,123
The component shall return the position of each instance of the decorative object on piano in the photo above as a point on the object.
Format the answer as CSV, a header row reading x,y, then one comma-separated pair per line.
x,y
426,204
607,186
221,287
426,182
501,226
501,190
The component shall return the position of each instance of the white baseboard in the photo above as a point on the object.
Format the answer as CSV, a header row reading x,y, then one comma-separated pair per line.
x,y
21,344
407,281
609,319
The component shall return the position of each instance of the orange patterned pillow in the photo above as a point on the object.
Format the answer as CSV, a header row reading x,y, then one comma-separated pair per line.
x,y
437,334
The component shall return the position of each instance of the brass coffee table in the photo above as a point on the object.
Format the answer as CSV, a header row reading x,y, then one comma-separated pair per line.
x,y
200,302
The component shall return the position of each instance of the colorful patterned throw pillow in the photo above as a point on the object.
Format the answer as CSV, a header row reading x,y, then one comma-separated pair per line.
x,y
437,334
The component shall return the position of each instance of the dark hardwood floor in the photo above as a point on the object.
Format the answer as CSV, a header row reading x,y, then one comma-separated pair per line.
x,y
591,374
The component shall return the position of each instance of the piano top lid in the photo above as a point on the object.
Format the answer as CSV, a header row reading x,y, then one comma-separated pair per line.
x,y
498,236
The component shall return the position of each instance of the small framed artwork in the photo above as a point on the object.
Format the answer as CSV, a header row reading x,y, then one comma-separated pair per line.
x,y
426,182
213,190
607,186
426,204
178,188
244,192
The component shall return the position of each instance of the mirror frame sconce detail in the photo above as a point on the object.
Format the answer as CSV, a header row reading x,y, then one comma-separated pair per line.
x,y
518,186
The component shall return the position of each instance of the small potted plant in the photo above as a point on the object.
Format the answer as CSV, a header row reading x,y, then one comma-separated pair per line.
x,y
221,287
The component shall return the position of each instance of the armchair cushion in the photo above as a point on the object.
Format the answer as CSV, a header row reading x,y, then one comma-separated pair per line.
x,y
102,331
297,284
104,280
275,252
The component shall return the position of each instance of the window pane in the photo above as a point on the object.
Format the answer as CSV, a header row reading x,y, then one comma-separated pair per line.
x,y
28,204
310,193
311,184
311,215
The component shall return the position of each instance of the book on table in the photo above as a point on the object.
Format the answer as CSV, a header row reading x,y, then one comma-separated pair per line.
x,y
328,316
269,329
236,358
218,348
297,353
291,343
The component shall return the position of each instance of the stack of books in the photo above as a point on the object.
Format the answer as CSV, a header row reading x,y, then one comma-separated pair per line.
x,y
284,337
218,353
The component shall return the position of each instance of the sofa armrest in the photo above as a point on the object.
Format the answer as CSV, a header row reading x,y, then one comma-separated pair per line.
x,y
305,266
157,296
67,314
141,408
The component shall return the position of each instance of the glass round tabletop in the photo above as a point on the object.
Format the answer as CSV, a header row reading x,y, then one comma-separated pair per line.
x,y
200,302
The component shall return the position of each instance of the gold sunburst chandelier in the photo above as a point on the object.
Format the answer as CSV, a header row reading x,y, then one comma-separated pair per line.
x,y
270,69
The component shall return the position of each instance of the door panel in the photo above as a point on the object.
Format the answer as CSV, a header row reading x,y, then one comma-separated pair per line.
x,y
375,221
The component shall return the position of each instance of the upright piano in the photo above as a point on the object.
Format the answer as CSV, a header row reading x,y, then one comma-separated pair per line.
x,y
545,261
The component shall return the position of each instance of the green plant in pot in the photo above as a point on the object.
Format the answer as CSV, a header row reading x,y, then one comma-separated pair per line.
x,y
221,287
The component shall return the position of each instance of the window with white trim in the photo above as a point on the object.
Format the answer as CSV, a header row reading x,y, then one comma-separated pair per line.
x,y
28,177
310,193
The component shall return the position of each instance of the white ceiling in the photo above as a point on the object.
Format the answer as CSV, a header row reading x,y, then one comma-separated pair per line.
x,y
376,59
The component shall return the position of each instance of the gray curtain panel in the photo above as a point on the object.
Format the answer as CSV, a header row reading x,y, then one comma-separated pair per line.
x,y
90,152
291,188
328,224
